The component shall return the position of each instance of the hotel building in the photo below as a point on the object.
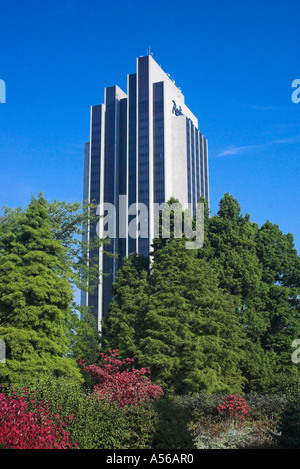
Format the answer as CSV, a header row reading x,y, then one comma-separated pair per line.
x,y
145,146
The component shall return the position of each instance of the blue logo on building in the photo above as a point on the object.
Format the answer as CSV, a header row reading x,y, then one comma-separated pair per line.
x,y
176,110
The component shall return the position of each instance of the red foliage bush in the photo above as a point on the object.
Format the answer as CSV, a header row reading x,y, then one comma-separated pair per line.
x,y
233,405
128,387
25,424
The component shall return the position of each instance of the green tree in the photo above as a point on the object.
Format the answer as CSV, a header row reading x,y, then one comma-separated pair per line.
x,y
125,324
85,338
35,298
281,276
260,268
177,320
192,337
219,318
69,224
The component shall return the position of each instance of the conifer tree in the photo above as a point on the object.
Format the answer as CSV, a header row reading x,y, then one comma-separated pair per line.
x,y
219,318
177,320
124,327
192,338
35,299
260,268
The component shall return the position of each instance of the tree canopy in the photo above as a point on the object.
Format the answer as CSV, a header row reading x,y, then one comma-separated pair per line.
x,y
219,318
35,298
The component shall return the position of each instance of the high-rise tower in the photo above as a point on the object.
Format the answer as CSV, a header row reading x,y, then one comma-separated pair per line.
x,y
145,146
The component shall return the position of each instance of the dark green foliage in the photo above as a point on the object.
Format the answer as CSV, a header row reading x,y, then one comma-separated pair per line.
x,y
260,268
177,321
172,426
85,338
141,426
192,335
84,342
221,318
270,406
196,407
289,428
130,303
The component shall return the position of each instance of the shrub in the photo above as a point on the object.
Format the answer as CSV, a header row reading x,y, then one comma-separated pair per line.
x,y
289,427
268,406
128,387
199,406
172,426
233,406
28,424
96,423
205,441
230,438
210,430
141,425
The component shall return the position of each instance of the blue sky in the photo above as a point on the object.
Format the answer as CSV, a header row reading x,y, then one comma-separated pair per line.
x,y
234,60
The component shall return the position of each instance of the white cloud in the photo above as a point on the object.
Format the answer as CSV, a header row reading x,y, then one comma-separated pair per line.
x,y
242,149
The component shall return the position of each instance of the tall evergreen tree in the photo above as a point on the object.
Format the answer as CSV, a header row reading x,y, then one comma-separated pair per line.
x,y
192,336
222,317
260,267
69,223
125,324
281,276
35,299
177,320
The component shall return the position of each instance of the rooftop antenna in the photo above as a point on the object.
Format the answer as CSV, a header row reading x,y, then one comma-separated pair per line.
x,y
149,51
